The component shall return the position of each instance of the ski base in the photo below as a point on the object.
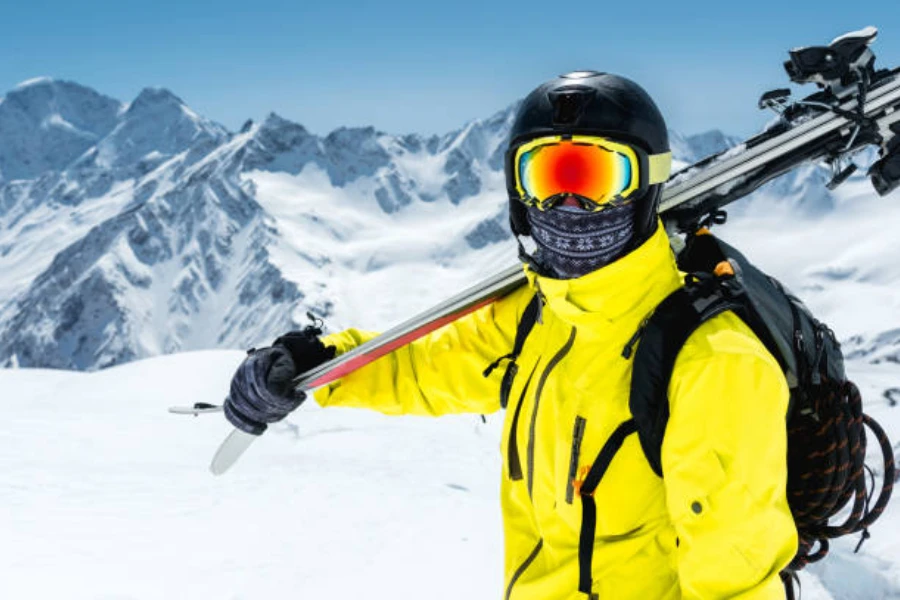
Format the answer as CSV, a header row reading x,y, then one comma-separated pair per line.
x,y
230,451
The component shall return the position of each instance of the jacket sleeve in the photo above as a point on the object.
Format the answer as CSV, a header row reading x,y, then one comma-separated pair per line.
x,y
440,373
724,461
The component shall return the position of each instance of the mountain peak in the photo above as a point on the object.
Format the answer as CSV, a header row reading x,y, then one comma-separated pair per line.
x,y
155,126
47,123
43,94
274,121
713,136
35,81
691,148
155,98
367,130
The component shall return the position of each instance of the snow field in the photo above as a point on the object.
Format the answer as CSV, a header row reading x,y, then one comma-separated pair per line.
x,y
106,495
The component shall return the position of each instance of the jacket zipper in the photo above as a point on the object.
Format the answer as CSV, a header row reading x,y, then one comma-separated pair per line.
x,y
512,453
537,400
522,568
577,436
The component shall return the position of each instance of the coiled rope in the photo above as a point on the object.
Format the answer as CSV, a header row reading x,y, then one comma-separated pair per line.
x,y
826,470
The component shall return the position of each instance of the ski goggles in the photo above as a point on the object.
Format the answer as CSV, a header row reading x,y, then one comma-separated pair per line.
x,y
595,171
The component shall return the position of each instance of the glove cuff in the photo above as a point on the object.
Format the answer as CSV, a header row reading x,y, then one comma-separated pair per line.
x,y
242,422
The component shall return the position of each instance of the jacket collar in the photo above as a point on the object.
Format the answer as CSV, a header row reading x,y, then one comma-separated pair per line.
x,y
629,287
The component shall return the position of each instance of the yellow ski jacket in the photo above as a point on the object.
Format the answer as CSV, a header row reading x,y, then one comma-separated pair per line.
x,y
716,526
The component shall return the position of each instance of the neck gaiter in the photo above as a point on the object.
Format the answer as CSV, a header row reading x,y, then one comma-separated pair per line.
x,y
572,242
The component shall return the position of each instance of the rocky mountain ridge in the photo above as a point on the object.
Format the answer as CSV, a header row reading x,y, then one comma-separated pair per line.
x,y
131,230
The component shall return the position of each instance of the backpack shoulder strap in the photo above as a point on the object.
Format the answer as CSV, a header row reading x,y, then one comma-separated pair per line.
x,y
531,316
662,336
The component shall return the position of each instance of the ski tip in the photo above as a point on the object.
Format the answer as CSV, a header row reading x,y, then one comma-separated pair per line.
x,y
230,451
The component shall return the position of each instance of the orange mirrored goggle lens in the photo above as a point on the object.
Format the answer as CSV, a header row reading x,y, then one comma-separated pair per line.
x,y
587,170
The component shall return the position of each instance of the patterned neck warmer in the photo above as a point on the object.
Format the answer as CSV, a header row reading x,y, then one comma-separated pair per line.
x,y
572,242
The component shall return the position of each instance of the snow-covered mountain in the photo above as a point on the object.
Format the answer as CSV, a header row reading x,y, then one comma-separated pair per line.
x,y
691,148
132,230
47,124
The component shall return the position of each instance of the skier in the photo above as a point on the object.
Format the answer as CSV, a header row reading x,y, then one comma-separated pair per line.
x,y
584,514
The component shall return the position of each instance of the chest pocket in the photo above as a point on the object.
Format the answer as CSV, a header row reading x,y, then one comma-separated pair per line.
x,y
586,490
627,493
610,493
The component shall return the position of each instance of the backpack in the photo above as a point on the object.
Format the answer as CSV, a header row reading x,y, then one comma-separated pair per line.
x,y
825,423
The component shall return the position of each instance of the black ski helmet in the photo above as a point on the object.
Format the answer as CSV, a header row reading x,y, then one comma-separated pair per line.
x,y
590,103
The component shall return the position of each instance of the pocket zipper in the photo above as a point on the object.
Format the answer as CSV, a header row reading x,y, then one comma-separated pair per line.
x,y
522,568
577,436
557,358
512,451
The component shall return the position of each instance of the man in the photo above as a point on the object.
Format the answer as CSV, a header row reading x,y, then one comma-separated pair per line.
x,y
584,514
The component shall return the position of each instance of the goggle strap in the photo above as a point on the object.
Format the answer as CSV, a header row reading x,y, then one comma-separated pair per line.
x,y
659,167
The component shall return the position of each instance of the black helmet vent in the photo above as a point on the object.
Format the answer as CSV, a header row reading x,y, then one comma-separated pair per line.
x,y
569,103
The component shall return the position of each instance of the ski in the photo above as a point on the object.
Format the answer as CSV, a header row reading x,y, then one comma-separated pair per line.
x,y
856,107
230,450
467,301
199,408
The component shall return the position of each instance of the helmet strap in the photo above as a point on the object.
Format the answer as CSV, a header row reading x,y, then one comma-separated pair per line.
x,y
646,216
518,219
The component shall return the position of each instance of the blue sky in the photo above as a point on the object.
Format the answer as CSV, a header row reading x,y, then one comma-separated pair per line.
x,y
426,65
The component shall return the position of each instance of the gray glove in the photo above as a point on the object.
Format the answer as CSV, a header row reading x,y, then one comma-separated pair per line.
x,y
261,389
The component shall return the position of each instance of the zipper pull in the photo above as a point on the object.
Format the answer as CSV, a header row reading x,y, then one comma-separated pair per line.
x,y
542,301
628,350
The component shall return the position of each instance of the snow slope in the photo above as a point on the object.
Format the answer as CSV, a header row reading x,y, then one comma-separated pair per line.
x,y
107,496
841,262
